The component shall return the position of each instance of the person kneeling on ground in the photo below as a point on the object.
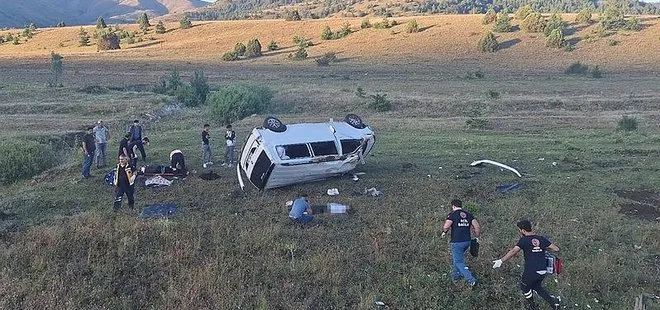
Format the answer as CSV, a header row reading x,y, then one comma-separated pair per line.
x,y
124,181
178,162
301,210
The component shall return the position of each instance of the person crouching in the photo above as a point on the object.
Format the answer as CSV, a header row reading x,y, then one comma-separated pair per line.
x,y
178,162
124,182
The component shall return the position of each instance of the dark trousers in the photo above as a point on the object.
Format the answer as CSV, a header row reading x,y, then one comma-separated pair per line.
x,y
140,147
533,282
119,194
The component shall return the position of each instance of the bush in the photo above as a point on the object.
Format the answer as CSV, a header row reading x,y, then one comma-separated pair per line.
x,y
160,28
300,41
612,18
380,103
253,48
360,92
627,124
292,15
272,46
23,159
83,37
200,87
503,23
240,49
326,59
488,43
186,95
365,24
108,41
238,101
477,74
100,23
584,17
612,42
632,24
492,94
595,72
555,22
533,23
345,30
523,12
300,54
385,24
56,68
555,39
326,34
230,56
577,68
490,17
185,23
412,26
476,123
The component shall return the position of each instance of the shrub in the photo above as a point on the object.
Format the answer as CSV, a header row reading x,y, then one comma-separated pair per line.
x,y
492,94
627,124
143,21
15,41
612,18
56,68
200,87
300,54
240,49
272,46
632,24
24,158
612,42
28,33
326,34
360,92
100,23
300,41
380,103
108,41
253,48
555,22
230,56
523,12
185,23
326,59
186,95
595,72
488,43
160,27
83,37
384,24
477,74
60,24
238,101
365,24
345,30
533,23
476,123
577,68
503,23
584,17
555,39
568,47
292,15
490,17
174,81
412,26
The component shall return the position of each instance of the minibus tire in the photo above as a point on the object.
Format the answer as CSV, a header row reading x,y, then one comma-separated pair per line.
x,y
273,124
355,121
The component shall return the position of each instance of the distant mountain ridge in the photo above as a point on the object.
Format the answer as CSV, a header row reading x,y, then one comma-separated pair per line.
x,y
18,13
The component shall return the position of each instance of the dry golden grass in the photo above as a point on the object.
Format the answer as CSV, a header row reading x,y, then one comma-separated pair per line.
x,y
445,38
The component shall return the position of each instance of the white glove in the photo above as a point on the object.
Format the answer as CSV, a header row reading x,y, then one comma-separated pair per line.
x,y
497,263
443,234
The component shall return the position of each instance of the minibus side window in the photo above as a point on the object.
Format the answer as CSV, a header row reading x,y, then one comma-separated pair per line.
x,y
324,148
295,151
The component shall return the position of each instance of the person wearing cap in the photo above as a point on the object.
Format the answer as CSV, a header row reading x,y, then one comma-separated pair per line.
x,y
102,135
230,137
136,138
461,223
88,148
534,248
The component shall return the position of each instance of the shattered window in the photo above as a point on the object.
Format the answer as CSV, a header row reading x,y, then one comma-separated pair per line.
x,y
296,151
350,145
324,148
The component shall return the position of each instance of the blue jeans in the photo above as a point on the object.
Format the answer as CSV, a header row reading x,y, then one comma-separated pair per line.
x,y
459,269
101,154
303,218
87,164
229,155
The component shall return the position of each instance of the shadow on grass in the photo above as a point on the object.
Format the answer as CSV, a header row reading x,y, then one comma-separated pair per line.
x,y
145,44
509,43
426,28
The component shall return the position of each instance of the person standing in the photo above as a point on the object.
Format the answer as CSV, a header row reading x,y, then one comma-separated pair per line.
x,y
102,135
461,223
534,248
124,181
207,156
88,147
124,149
136,138
301,211
230,137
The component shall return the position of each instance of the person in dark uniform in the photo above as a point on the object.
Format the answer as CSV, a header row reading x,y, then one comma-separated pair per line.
x,y
124,181
534,248
461,223
89,148
124,149
136,138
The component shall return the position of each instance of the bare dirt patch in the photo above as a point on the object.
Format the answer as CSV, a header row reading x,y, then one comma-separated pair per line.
x,y
645,204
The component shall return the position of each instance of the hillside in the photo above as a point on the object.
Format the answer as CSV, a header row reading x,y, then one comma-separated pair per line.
x,y
76,12
450,39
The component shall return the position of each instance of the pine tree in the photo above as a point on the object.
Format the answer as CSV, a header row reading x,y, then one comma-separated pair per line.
x,y
185,23
100,23
240,49
503,23
488,43
253,48
84,37
326,34
160,28
143,20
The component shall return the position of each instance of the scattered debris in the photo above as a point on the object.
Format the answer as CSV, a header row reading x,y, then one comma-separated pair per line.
x,y
333,192
355,177
487,161
541,159
554,163
372,192
164,210
637,247
157,181
508,187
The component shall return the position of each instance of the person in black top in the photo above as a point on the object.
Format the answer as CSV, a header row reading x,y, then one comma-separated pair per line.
x,y
207,156
123,146
461,224
136,137
124,181
534,248
178,162
88,147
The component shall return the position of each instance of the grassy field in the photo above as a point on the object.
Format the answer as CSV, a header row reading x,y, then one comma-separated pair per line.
x,y
63,248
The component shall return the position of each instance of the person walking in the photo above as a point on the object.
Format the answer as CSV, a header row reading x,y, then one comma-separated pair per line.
x,y
230,137
136,138
88,147
461,223
301,211
102,135
207,156
534,248
124,182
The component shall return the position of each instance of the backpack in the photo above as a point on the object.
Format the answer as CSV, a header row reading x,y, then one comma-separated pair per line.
x,y
554,264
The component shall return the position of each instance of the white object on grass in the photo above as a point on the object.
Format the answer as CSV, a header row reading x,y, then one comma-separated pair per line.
x,y
336,208
333,191
487,161
497,263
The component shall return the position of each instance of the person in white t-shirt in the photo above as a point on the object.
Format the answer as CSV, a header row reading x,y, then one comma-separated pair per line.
x,y
230,137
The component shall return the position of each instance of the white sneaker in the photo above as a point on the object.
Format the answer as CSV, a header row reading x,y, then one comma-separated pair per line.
x,y
204,165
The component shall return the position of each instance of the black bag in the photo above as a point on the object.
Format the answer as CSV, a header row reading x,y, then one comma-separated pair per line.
x,y
474,247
